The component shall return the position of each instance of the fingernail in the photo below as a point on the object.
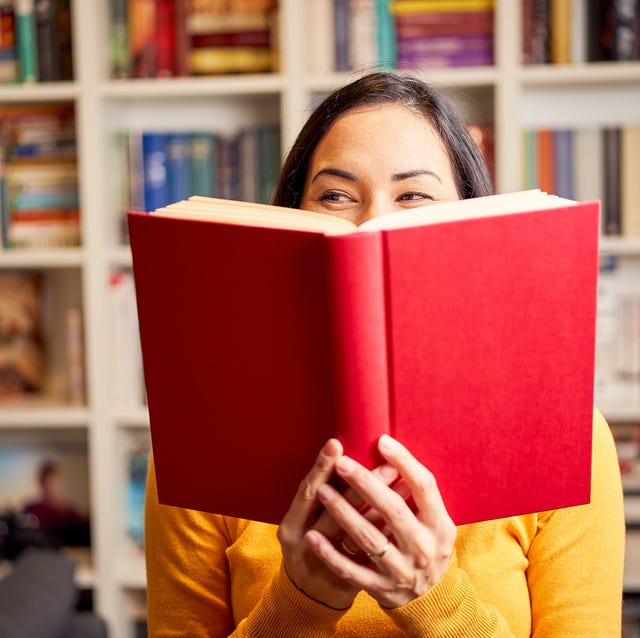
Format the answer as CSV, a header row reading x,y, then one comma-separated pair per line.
x,y
345,465
387,472
325,493
387,443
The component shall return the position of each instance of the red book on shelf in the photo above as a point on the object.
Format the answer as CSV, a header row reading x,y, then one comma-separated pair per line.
x,y
465,329
165,35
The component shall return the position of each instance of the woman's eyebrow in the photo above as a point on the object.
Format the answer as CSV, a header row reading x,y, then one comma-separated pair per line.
x,y
396,177
336,172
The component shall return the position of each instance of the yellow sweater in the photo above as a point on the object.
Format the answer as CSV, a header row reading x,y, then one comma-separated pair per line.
x,y
555,574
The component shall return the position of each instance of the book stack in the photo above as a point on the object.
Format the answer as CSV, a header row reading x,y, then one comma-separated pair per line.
x,y
589,163
35,41
161,167
39,184
454,33
165,38
568,32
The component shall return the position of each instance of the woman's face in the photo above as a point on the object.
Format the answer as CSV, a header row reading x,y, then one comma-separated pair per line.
x,y
375,160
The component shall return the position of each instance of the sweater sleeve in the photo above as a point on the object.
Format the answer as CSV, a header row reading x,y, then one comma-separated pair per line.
x,y
576,560
189,588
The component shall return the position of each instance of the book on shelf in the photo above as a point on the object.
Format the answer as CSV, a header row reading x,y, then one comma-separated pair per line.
x,y
350,35
453,34
166,38
8,52
26,40
573,31
589,163
40,203
613,30
465,329
160,167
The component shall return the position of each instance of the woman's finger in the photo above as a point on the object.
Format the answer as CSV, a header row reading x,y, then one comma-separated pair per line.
x,y
421,482
305,501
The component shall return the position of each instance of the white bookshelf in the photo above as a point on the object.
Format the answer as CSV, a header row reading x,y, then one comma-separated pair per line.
x,y
508,94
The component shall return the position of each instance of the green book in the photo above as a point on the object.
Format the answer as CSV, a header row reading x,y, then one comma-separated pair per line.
x,y
27,42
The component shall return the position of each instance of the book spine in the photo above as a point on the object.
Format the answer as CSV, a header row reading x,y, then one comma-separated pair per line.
x,y
119,39
8,54
182,38
64,40
269,162
626,30
27,44
46,35
629,182
537,47
341,15
178,161
363,37
203,164
154,157
166,38
563,159
560,32
142,38
359,328
611,204
387,55
545,159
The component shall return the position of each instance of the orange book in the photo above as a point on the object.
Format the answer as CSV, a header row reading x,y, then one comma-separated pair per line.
x,y
545,160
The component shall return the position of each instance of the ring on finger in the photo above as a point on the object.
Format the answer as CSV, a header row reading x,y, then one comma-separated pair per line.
x,y
376,556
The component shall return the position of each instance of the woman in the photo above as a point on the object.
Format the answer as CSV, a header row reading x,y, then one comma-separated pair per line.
x,y
399,566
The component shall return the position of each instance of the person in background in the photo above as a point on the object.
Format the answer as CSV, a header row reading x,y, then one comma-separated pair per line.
x,y
399,567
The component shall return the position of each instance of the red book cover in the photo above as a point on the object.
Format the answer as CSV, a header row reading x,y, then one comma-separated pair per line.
x,y
470,338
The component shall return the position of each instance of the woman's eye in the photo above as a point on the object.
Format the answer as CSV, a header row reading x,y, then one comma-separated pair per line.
x,y
414,197
333,196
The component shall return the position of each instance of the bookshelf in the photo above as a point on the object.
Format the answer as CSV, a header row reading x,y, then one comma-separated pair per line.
x,y
508,94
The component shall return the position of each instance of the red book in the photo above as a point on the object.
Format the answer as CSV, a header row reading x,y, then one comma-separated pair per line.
x,y
466,330
165,34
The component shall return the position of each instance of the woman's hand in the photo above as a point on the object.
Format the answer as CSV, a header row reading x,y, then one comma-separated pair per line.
x,y
409,552
305,568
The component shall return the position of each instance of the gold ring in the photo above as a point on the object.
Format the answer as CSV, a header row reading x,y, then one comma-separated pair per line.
x,y
381,553
347,549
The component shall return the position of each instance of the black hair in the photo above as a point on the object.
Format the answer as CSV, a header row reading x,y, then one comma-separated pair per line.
x,y
385,87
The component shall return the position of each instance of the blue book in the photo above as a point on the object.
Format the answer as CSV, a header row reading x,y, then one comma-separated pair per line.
x,y
179,165
154,162
563,146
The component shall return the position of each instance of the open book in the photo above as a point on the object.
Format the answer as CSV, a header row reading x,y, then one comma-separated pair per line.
x,y
466,330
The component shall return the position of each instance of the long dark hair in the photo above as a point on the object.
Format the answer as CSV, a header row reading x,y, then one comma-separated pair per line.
x,y
383,87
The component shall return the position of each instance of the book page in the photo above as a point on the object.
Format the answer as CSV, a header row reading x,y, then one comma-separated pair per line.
x,y
489,206
229,211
